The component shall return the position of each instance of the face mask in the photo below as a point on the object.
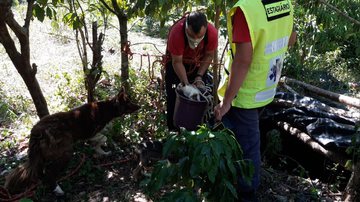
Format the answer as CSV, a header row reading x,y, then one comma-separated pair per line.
x,y
193,43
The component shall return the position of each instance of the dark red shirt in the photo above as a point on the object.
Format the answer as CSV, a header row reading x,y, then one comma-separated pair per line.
x,y
241,32
176,42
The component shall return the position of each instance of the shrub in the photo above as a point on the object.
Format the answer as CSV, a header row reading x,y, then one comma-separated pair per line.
x,y
207,166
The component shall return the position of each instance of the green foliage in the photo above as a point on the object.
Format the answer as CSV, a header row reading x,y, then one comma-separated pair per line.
x,y
45,8
25,200
354,149
6,114
327,50
273,145
149,121
207,163
69,92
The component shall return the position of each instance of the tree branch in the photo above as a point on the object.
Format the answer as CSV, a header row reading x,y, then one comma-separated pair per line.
x,y
119,12
340,12
305,138
19,31
108,7
28,14
8,43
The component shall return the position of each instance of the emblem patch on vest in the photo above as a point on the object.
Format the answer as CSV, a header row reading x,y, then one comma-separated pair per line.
x,y
275,68
276,9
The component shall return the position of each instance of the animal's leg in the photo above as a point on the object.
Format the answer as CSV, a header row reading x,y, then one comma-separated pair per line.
x,y
99,141
53,170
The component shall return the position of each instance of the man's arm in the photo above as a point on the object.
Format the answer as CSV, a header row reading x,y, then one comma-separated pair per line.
x,y
179,68
239,69
292,39
205,62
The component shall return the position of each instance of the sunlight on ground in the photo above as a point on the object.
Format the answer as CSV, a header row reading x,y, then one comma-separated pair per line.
x,y
140,197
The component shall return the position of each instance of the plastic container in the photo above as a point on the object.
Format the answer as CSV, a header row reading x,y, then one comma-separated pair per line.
x,y
188,113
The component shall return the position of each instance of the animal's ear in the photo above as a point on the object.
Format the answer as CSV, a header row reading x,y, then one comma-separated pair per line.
x,y
122,94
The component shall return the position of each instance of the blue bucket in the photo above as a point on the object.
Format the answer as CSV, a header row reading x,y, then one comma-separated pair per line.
x,y
188,113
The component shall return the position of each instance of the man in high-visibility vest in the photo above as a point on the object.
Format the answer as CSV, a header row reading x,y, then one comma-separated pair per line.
x,y
260,32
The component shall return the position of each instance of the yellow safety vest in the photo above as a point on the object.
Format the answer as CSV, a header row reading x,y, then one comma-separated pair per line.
x,y
270,25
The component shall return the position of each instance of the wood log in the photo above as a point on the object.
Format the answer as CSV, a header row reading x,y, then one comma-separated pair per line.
x,y
288,88
354,102
306,139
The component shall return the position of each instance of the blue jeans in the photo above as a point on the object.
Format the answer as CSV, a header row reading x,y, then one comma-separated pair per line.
x,y
244,123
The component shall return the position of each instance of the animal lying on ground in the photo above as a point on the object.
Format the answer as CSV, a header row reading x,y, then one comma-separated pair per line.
x,y
52,139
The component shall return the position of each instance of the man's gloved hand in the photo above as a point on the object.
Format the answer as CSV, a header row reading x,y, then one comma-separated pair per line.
x,y
199,83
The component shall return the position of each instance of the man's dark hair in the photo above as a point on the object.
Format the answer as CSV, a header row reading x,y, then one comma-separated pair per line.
x,y
196,20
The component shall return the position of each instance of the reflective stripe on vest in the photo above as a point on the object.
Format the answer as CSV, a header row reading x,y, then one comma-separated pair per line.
x,y
270,25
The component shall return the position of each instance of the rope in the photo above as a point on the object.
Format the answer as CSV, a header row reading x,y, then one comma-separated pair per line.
x,y
163,58
7,197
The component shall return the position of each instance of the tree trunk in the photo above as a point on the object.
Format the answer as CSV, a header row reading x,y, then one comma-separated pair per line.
x,y
123,20
217,66
124,50
352,191
327,94
21,60
96,67
306,139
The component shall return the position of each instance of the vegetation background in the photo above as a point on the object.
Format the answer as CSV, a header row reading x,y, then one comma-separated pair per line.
x,y
326,55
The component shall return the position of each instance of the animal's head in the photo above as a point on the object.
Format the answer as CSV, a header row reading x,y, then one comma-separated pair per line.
x,y
124,104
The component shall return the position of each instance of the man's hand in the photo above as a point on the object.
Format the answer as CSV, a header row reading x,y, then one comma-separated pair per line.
x,y
199,83
220,110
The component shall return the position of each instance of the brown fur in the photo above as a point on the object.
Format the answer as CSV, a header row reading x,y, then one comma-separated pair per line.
x,y
52,138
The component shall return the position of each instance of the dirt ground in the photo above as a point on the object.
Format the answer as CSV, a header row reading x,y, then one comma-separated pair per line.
x,y
94,178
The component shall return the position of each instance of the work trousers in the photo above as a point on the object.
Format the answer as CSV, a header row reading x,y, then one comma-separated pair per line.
x,y
245,125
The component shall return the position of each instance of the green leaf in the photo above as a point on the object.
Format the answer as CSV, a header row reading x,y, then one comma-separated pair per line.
x,y
196,162
42,2
213,172
170,144
25,200
348,164
39,12
162,2
55,2
68,18
49,12
246,168
76,24
230,187
55,24
182,195
216,148
230,165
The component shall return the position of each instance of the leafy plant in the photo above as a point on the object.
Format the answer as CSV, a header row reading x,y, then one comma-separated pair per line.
x,y
200,164
326,53
354,149
149,121
69,91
